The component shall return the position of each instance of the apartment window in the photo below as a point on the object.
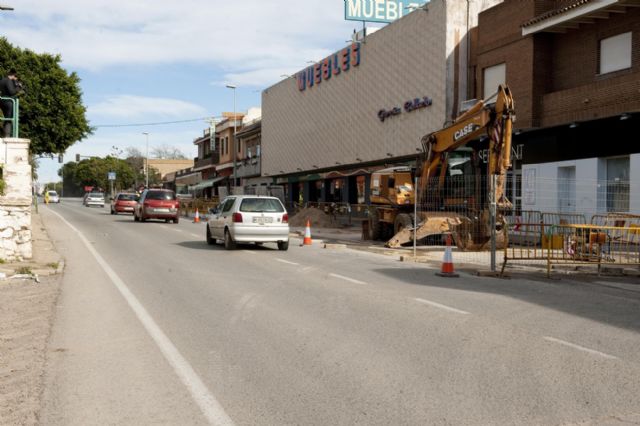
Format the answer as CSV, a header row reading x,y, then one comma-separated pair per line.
x,y
615,53
618,172
493,77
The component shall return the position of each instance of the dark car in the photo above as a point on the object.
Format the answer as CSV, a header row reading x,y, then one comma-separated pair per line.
x,y
157,204
124,202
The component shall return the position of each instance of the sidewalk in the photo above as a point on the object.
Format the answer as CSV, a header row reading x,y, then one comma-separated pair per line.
x,y
27,311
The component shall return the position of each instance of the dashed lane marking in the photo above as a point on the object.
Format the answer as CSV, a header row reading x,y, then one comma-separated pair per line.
x,y
578,347
209,405
351,280
287,262
441,306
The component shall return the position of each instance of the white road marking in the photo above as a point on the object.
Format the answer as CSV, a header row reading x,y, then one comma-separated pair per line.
x,y
174,229
196,235
250,252
209,405
351,280
287,262
580,348
441,306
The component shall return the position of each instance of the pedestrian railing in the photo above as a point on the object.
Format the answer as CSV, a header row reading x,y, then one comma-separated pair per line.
x,y
15,130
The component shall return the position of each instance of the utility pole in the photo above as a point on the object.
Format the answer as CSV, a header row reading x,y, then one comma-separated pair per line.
x,y
233,146
146,161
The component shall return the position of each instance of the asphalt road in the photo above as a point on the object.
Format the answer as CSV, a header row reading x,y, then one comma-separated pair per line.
x,y
155,326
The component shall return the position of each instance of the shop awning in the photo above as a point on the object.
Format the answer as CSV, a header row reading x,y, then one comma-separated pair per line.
x,y
208,183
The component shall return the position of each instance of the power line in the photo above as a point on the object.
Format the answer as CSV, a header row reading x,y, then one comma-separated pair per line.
x,y
160,123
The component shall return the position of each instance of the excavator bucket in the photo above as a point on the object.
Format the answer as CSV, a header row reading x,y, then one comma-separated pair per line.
x,y
432,223
468,234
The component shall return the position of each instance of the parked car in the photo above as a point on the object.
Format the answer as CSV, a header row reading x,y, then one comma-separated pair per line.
x,y
249,219
124,202
53,197
157,204
94,199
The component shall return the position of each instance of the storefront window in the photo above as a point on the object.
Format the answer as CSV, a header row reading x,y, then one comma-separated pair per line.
x,y
618,184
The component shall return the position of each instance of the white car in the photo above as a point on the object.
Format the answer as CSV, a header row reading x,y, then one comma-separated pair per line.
x,y
53,197
94,199
249,219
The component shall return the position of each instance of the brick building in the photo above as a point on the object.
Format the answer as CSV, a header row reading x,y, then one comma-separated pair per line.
x,y
574,70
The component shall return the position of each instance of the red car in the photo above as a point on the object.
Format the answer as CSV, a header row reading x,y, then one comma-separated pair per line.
x,y
124,202
157,204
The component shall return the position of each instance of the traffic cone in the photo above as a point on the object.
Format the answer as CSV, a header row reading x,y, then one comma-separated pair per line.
x,y
196,218
447,263
307,234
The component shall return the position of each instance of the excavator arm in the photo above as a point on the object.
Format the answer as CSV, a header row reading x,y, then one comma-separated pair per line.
x,y
491,118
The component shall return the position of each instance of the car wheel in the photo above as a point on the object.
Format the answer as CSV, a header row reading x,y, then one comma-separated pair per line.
x,y
210,240
229,244
113,211
283,245
142,218
167,220
135,217
176,220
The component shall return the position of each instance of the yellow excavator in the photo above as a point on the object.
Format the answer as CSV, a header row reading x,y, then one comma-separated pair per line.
x,y
453,187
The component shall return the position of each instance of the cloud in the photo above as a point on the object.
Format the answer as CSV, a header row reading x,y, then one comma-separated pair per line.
x,y
243,35
135,107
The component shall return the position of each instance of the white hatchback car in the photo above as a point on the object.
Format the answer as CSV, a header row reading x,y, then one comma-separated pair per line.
x,y
249,219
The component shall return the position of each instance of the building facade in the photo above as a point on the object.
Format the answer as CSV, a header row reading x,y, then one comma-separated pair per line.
x,y
574,70
369,104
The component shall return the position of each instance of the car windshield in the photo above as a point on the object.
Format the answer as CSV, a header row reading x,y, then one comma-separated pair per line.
x,y
127,197
261,205
160,195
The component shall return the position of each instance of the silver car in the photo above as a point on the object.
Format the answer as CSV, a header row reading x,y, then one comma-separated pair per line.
x,y
94,199
249,219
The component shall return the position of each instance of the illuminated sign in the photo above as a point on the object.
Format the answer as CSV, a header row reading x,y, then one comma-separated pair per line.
x,y
334,65
379,10
412,105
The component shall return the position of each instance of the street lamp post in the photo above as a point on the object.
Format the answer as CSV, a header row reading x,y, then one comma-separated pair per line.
x,y
233,146
146,161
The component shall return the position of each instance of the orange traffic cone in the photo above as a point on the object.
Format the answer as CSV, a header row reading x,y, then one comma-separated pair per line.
x,y
447,263
307,234
196,218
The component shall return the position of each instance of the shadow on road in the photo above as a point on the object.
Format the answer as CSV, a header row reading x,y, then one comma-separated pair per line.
x,y
610,305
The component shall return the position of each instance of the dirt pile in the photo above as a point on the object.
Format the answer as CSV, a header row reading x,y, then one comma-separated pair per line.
x,y
318,218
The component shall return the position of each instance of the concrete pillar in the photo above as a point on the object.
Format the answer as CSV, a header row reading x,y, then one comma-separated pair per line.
x,y
15,202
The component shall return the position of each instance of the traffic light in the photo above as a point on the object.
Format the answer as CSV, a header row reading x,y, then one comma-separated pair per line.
x,y
77,158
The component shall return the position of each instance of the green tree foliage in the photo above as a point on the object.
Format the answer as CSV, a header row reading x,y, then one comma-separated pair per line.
x,y
51,111
94,172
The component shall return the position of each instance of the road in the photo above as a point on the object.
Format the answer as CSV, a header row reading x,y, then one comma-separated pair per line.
x,y
155,326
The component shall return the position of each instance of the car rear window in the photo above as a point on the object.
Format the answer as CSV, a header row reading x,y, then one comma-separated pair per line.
x,y
261,205
127,197
160,195
96,195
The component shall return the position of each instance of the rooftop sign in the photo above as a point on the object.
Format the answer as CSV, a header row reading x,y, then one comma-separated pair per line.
x,y
379,10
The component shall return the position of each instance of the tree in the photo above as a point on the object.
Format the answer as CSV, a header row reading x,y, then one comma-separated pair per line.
x,y
167,152
94,172
51,111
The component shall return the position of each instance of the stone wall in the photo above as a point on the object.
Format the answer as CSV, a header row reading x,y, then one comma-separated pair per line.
x,y
15,204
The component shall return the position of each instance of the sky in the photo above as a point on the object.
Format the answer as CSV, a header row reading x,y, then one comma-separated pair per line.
x,y
151,61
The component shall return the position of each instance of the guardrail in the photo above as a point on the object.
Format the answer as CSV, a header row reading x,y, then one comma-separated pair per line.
x,y
15,122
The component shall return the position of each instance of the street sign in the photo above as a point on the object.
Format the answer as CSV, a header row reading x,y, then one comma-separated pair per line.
x,y
379,10
112,175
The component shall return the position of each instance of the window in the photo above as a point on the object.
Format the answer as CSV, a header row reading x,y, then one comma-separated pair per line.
x,y
261,205
618,184
615,53
493,77
228,204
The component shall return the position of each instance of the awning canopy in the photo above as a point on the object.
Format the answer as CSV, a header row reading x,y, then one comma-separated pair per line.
x,y
208,183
